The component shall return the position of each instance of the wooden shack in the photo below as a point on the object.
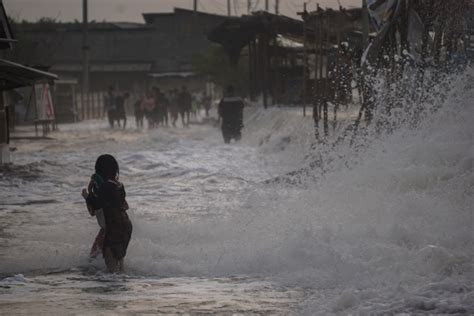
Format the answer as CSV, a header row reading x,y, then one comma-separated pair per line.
x,y
12,75
274,46
332,46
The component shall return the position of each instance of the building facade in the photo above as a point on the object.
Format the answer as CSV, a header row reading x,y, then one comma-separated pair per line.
x,y
129,56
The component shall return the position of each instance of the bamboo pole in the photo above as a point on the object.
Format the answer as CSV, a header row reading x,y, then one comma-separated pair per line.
x,y
250,62
305,65
85,57
317,53
255,67
326,75
337,73
265,70
321,65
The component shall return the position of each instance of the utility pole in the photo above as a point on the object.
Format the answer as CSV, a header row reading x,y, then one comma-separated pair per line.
x,y
85,60
249,6
228,8
266,5
277,7
195,6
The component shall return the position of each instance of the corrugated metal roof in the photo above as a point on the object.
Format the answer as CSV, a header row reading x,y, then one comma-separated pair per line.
x,y
13,75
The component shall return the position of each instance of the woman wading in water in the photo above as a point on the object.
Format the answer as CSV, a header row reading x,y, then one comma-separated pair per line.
x,y
109,196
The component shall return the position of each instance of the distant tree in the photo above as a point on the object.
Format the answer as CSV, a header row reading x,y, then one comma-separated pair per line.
x,y
33,49
46,20
216,65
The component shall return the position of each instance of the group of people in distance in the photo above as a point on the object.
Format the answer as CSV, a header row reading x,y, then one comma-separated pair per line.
x,y
163,109
156,107
160,108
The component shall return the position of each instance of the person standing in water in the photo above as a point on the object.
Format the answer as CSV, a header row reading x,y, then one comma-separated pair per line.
x,y
184,104
121,112
148,105
231,114
110,106
110,197
139,112
173,106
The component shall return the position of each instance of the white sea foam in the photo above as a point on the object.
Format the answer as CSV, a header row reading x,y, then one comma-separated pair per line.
x,y
385,226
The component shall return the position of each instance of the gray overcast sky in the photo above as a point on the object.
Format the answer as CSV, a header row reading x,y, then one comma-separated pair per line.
x,y
131,10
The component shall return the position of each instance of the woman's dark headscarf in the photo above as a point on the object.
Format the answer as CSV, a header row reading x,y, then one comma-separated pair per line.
x,y
107,167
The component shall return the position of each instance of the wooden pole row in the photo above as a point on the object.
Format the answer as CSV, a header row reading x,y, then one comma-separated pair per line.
x,y
93,109
323,30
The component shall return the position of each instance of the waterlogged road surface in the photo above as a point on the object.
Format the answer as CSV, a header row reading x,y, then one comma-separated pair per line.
x,y
382,227
179,182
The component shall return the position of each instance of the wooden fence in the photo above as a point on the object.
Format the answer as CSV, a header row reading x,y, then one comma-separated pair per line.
x,y
90,107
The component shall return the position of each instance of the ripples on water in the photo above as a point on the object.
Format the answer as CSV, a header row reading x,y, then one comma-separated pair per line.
x,y
386,230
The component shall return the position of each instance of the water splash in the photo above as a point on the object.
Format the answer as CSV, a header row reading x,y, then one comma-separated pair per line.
x,y
383,226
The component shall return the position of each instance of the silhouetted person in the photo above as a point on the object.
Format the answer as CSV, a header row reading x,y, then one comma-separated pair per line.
x,y
231,110
162,104
121,113
110,106
139,112
110,197
184,104
157,112
165,104
206,101
148,105
173,106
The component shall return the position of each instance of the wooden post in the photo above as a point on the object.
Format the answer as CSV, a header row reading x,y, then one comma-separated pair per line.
x,y
259,65
337,73
327,46
88,104
98,105
305,64
273,69
81,110
102,102
250,62
85,57
321,64
91,106
255,68
74,103
95,101
265,70
317,66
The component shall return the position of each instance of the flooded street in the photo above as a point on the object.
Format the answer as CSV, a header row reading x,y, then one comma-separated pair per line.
x,y
322,162
180,183
79,292
387,231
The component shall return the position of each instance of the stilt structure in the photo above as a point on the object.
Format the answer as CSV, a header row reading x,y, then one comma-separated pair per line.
x,y
332,41
274,46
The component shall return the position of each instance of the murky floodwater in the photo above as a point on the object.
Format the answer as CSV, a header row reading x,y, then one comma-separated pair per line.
x,y
386,228
179,183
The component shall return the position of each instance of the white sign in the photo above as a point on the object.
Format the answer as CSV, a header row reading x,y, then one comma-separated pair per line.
x,y
44,102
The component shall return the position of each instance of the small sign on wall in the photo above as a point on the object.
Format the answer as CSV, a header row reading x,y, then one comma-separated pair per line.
x,y
44,102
